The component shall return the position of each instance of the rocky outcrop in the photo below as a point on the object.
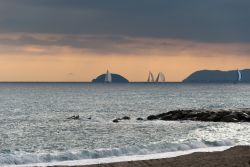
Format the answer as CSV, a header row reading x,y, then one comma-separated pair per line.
x,y
240,115
120,119
74,117
125,118
117,120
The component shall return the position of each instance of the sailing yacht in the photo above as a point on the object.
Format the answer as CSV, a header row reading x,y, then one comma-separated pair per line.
x,y
150,77
160,77
108,77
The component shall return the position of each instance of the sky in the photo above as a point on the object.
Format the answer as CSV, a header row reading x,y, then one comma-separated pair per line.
x,y
77,40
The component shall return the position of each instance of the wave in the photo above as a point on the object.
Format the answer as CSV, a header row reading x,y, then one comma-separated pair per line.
x,y
20,158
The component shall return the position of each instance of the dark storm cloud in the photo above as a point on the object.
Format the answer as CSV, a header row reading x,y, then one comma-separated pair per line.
x,y
200,20
96,44
47,44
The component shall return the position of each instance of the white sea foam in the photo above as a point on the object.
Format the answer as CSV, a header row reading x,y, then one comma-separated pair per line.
x,y
139,152
124,158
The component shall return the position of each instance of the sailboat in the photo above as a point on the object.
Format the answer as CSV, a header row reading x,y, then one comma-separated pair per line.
x,y
108,77
160,77
239,75
150,77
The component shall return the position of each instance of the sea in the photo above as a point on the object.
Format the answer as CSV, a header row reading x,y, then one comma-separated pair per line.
x,y
35,131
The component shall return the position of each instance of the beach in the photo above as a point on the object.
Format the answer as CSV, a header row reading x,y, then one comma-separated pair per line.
x,y
238,156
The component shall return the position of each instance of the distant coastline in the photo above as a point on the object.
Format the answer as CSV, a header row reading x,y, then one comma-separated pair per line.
x,y
201,76
89,82
217,76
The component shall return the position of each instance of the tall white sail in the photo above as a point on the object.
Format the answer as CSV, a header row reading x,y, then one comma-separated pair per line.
x,y
150,77
160,77
239,76
108,77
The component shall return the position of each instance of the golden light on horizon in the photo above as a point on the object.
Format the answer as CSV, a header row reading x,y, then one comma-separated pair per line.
x,y
85,68
175,58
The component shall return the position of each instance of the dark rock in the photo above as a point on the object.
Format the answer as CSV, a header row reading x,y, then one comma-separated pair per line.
x,y
230,118
204,115
243,116
117,120
126,118
152,117
139,119
217,116
74,117
179,116
166,117
211,117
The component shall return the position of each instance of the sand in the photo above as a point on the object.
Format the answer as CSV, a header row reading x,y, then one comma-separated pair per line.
x,y
238,156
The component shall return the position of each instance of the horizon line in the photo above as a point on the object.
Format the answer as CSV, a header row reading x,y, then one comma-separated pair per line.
x,y
77,82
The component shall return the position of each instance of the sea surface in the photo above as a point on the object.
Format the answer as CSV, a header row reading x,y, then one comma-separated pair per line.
x,y
34,127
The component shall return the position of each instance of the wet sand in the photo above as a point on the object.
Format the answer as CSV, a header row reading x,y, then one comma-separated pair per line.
x,y
238,156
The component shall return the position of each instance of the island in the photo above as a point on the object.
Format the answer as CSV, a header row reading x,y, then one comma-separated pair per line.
x,y
114,78
217,76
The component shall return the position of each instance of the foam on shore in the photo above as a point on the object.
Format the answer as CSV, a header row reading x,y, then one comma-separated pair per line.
x,y
124,158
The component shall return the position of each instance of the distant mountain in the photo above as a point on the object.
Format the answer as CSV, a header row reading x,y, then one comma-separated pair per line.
x,y
216,76
116,78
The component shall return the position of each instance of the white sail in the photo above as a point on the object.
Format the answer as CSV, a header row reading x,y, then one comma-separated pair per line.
x,y
108,77
239,76
150,77
160,77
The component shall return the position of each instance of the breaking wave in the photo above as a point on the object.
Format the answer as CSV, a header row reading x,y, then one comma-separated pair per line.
x,y
19,158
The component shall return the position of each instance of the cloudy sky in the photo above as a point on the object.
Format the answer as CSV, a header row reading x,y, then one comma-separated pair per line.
x,y
76,40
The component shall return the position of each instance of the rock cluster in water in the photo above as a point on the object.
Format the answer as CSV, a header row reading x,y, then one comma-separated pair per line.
x,y
74,117
120,119
240,115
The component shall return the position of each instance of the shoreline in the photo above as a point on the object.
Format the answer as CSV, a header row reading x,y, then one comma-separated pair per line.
x,y
237,156
175,159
